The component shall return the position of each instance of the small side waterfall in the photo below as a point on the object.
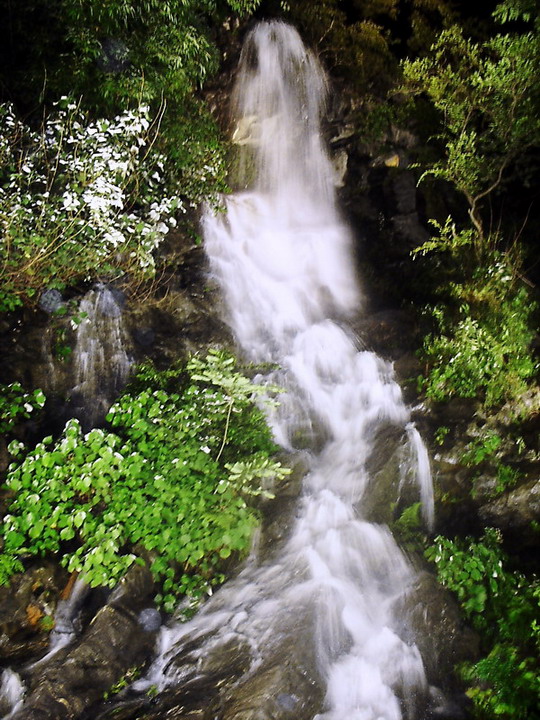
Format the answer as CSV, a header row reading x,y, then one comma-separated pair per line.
x,y
320,610
100,357
63,632
11,693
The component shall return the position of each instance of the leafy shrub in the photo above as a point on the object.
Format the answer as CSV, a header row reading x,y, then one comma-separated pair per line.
x,y
487,96
170,483
16,404
504,606
78,199
485,351
113,52
118,55
360,39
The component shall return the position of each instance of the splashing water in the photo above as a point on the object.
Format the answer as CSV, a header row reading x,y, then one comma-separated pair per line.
x,y
282,257
63,632
11,693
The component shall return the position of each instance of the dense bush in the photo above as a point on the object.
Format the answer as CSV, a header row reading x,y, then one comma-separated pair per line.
x,y
168,484
112,53
487,96
504,605
360,40
16,404
78,199
483,347
87,188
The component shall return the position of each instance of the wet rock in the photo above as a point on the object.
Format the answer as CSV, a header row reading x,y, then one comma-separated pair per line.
x,y
149,619
51,301
432,620
388,332
78,676
455,410
340,161
383,466
283,691
231,660
195,702
25,604
144,336
403,192
456,511
409,229
280,514
515,512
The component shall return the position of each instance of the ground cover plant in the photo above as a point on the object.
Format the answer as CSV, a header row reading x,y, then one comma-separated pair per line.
x,y
170,483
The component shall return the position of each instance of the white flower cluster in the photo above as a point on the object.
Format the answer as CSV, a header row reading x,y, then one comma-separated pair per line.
x,y
94,190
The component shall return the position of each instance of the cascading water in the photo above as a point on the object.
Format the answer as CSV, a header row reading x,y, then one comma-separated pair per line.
x,y
11,693
281,254
100,357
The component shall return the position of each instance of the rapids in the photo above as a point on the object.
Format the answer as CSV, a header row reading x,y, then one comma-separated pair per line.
x,y
282,256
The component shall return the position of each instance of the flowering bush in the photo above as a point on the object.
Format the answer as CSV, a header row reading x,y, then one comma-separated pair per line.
x,y
77,199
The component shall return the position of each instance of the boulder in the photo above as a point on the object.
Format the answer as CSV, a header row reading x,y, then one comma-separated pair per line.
x,y
78,676
516,513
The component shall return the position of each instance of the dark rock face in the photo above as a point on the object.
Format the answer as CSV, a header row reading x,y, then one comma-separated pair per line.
x,y
51,301
78,676
177,316
283,691
433,618
516,512
23,605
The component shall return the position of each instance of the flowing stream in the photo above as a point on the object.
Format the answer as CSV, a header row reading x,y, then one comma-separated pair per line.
x,y
321,603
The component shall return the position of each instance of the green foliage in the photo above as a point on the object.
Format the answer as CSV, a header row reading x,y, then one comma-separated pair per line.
x,y
17,404
447,239
507,478
132,674
9,565
440,434
504,606
482,349
358,39
487,451
488,96
125,61
77,199
483,448
505,684
171,483
357,50
113,52
409,528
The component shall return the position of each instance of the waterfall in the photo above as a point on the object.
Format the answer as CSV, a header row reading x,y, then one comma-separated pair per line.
x,y
63,632
100,357
282,257
11,693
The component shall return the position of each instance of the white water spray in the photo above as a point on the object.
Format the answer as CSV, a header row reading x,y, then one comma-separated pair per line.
x,y
282,258
63,632
11,693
